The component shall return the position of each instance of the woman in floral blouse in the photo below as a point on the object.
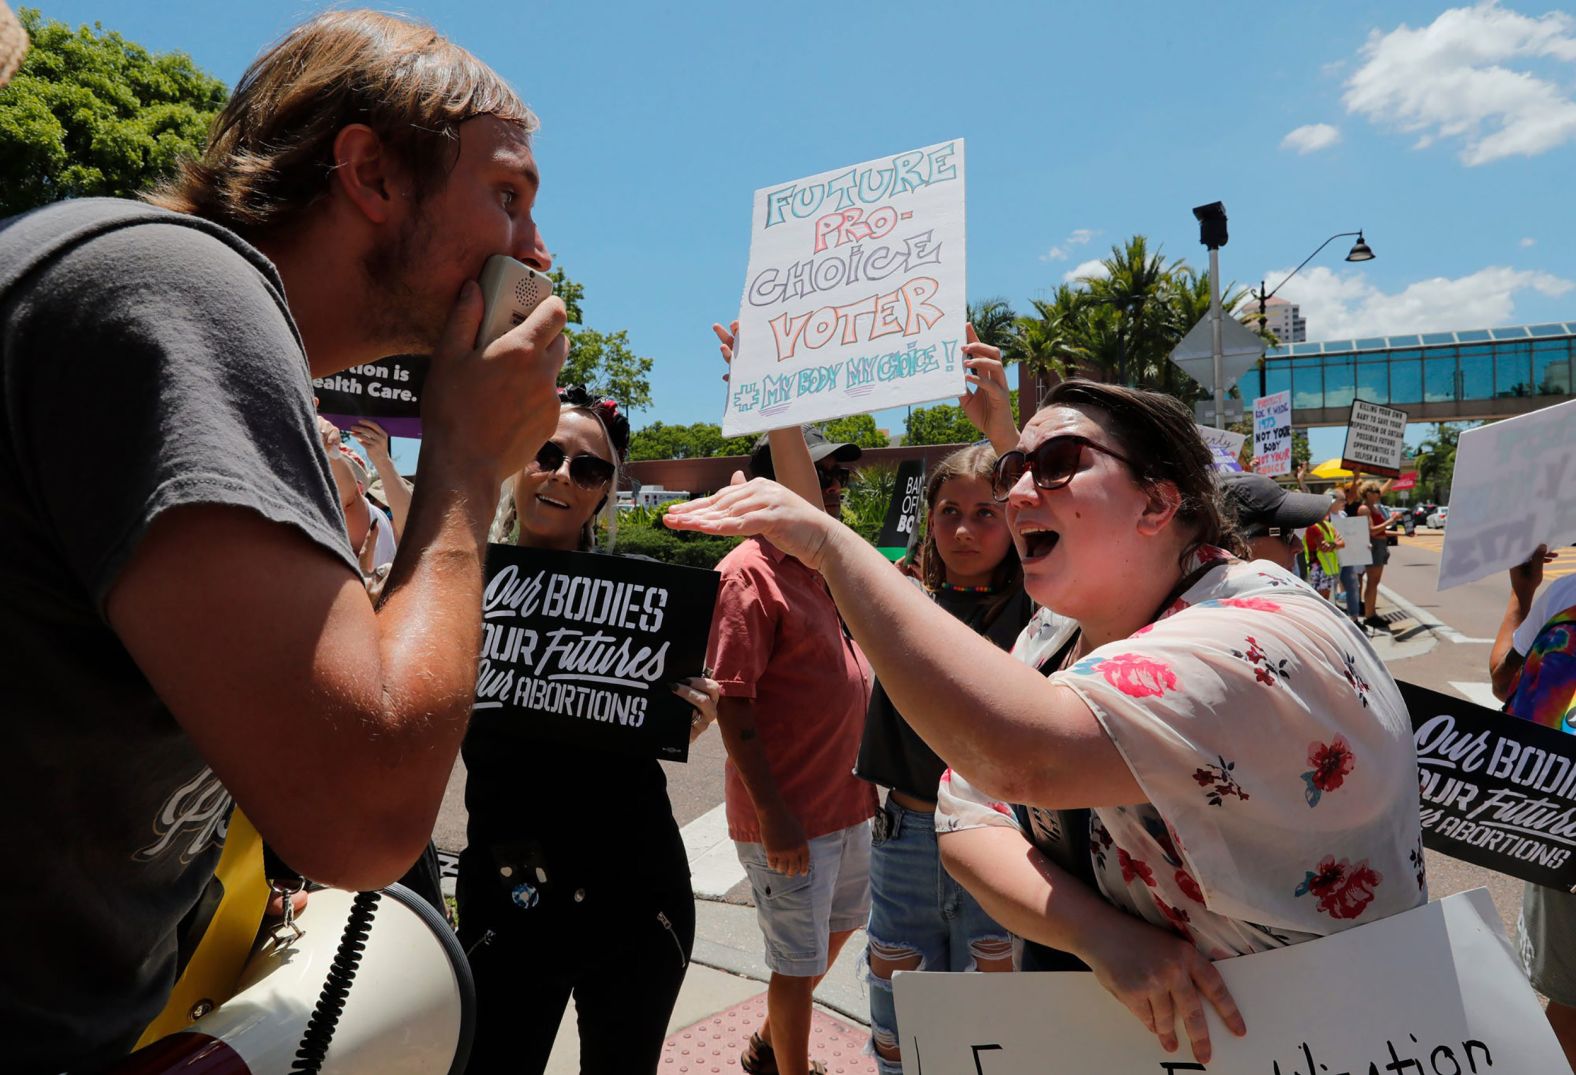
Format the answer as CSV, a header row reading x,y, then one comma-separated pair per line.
x,y
1246,757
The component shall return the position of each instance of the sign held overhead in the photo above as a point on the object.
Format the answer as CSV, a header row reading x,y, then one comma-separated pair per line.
x,y
1375,436
854,300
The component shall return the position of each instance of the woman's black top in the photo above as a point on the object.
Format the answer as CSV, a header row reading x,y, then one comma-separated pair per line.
x,y
891,753
592,819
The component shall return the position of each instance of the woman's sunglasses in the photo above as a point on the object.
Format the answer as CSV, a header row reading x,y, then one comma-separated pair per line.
x,y
1053,462
585,470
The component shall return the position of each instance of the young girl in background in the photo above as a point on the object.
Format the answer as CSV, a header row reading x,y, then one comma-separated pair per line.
x,y
920,918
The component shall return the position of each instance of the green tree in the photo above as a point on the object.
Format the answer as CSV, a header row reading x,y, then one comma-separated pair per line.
x,y
944,423
662,441
602,361
1436,460
92,114
994,322
857,429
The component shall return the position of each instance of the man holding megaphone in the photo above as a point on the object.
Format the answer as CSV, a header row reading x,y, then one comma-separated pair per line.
x,y
197,628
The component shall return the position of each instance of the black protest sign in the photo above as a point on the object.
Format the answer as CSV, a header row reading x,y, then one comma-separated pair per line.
x,y
387,391
584,649
1496,791
902,518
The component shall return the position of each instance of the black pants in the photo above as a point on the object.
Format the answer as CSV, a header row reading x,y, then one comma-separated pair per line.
x,y
621,952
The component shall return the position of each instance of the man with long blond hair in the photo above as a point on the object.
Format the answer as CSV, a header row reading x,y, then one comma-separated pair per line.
x,y
198,629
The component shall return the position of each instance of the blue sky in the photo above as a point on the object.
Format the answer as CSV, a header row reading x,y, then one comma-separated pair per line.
x,y
1447,134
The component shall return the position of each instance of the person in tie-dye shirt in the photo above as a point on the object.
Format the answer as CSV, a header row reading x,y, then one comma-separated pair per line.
x,y
1533,669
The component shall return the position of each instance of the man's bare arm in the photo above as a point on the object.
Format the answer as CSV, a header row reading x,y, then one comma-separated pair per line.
x,y
336,728
787,850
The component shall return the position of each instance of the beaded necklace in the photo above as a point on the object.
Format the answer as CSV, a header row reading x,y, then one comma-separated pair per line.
x,y
970,589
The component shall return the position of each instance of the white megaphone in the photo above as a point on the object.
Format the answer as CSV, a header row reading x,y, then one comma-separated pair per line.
x,y
376,985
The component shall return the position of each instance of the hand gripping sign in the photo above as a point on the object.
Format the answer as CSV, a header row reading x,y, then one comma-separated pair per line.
x,y
854,300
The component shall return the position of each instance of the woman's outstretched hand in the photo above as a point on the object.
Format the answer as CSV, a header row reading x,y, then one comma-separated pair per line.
x,y
759,507
1161,978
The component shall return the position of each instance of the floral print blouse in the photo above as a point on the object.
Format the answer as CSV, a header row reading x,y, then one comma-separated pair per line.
x,y
1276,754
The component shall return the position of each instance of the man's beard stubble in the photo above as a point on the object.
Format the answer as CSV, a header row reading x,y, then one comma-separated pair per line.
x,y
402,315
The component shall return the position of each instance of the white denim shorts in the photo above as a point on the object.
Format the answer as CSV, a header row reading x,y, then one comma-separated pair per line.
x,y
798,914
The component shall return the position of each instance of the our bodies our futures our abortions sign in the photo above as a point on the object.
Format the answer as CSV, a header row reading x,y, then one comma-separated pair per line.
x,y
584,649
1496,791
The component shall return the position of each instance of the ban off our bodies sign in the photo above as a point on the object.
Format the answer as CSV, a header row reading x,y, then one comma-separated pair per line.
x,y
854,298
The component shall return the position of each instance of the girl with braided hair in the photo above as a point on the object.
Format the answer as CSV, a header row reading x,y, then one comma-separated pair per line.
x,y
574,880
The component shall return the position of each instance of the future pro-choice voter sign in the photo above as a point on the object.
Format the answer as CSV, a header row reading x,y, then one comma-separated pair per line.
x,y
584,649
854,299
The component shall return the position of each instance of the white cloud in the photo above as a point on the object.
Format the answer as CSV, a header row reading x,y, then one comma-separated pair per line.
x,y
1064,249
1311,138
1341,305
1093,269
1528,241
1453,80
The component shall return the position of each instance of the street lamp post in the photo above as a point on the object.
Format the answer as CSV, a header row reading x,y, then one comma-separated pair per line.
x,y
1212,234
1359,252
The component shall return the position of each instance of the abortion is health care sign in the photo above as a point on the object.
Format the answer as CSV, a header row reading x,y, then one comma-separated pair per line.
x,y
1433,991
854,300
583,649
1514,488
1496,791
1272,434
387,391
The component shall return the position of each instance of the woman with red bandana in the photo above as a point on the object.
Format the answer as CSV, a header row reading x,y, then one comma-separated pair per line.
x,y
574,880
1246,757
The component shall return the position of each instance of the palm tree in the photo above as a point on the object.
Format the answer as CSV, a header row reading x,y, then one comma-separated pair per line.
x,y
994,322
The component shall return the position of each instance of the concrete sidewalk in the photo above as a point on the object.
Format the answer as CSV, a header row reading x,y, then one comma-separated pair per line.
x,y
726,973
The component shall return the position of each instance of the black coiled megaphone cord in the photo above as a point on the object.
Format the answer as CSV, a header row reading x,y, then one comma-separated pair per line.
x,y
319,1033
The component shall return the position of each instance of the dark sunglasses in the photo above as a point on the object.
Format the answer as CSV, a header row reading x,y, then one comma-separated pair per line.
x,y
830,476
1289,534
1053,462
585,470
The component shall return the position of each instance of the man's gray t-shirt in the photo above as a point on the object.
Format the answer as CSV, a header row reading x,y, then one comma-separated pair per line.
x,y
147,361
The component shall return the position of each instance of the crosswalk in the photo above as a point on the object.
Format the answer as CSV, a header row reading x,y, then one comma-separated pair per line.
x,y
1564,562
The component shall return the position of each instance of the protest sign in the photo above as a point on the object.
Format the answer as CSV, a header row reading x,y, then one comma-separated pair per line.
x,y
585,647
1225,446
1272,434
1514,488
1374,438
387,391
1434,990
1497,791
854,298
1353,529
901,527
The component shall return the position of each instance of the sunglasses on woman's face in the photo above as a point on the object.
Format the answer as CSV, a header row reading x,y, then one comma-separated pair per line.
x,y
1053,462
585,470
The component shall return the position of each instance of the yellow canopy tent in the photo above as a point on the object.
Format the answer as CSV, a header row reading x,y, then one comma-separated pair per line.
x,y
1331,468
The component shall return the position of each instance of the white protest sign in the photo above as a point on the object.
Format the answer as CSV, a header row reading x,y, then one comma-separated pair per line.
x,y
1434,990
1353,530
1224,445
854,300
1272,434
1374,438
1514,488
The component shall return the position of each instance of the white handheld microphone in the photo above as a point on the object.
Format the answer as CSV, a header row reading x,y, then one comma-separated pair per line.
x,y
510,291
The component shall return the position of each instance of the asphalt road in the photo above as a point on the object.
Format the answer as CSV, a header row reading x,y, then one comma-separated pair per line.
x,y
1453,656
